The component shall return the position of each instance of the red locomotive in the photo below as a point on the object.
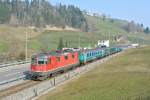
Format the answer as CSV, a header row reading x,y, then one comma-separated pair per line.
x,y
45,64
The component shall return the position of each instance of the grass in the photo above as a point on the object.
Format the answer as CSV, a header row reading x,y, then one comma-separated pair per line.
x,y
3,46
12,39
126,77
51,39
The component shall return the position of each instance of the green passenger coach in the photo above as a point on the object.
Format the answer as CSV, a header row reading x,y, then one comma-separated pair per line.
x,y
92,54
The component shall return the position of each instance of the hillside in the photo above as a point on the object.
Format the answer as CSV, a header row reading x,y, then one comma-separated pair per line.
x,y
125,77
51,23
108,29
12,39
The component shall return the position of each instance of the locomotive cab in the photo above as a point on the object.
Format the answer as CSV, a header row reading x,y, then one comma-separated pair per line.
x,y
38,66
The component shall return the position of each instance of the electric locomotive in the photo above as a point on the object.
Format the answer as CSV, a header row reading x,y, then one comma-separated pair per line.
x,y
45,65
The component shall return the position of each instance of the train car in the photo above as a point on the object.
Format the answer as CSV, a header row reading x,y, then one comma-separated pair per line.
x,y
90,55
112,50
119,49
45,64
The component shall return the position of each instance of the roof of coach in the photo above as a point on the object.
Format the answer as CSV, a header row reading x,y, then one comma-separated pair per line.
x,y
87,50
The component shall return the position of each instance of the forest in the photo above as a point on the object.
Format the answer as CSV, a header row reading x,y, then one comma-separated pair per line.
x,y
40,13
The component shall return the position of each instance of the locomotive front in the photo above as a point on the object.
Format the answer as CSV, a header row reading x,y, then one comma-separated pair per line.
x,y
39,66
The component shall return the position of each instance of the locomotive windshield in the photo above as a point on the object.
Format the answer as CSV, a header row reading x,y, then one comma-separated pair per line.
x,y
33,61
42,60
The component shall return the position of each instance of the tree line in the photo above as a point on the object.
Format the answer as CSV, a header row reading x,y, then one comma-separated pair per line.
x,y
40,13
136,27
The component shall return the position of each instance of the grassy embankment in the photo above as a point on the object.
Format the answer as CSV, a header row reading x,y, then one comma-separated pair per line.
x,y
12,39
127,77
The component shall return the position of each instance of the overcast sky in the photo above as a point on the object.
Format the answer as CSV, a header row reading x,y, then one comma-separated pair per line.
x,y
137,10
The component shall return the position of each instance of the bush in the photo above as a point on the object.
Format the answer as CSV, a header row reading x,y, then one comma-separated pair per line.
x,y
21,56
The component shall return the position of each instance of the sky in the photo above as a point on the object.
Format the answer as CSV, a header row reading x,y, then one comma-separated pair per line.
x,y
137,10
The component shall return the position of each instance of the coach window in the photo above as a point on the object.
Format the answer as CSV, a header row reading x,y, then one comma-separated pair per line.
x,y
88,55
66,57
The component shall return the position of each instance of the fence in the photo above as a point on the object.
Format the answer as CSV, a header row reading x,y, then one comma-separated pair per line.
x,y
14,63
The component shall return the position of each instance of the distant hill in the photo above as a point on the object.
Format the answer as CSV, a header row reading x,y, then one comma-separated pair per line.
x,y
108,28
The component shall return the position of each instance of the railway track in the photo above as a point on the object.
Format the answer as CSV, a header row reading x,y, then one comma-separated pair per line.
x,y
28,84
17,88
22,86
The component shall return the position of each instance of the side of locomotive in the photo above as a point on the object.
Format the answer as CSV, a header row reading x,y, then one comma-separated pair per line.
x,y
45,65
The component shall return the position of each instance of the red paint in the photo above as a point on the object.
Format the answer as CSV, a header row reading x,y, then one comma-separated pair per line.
x,y
55,64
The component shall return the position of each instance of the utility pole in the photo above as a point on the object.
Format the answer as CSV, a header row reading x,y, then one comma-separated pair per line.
x,y
79,40
26,37
109,43
26,44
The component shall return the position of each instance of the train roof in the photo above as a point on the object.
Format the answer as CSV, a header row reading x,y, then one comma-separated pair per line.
x,y
60,52
53,53
85,50
98,48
